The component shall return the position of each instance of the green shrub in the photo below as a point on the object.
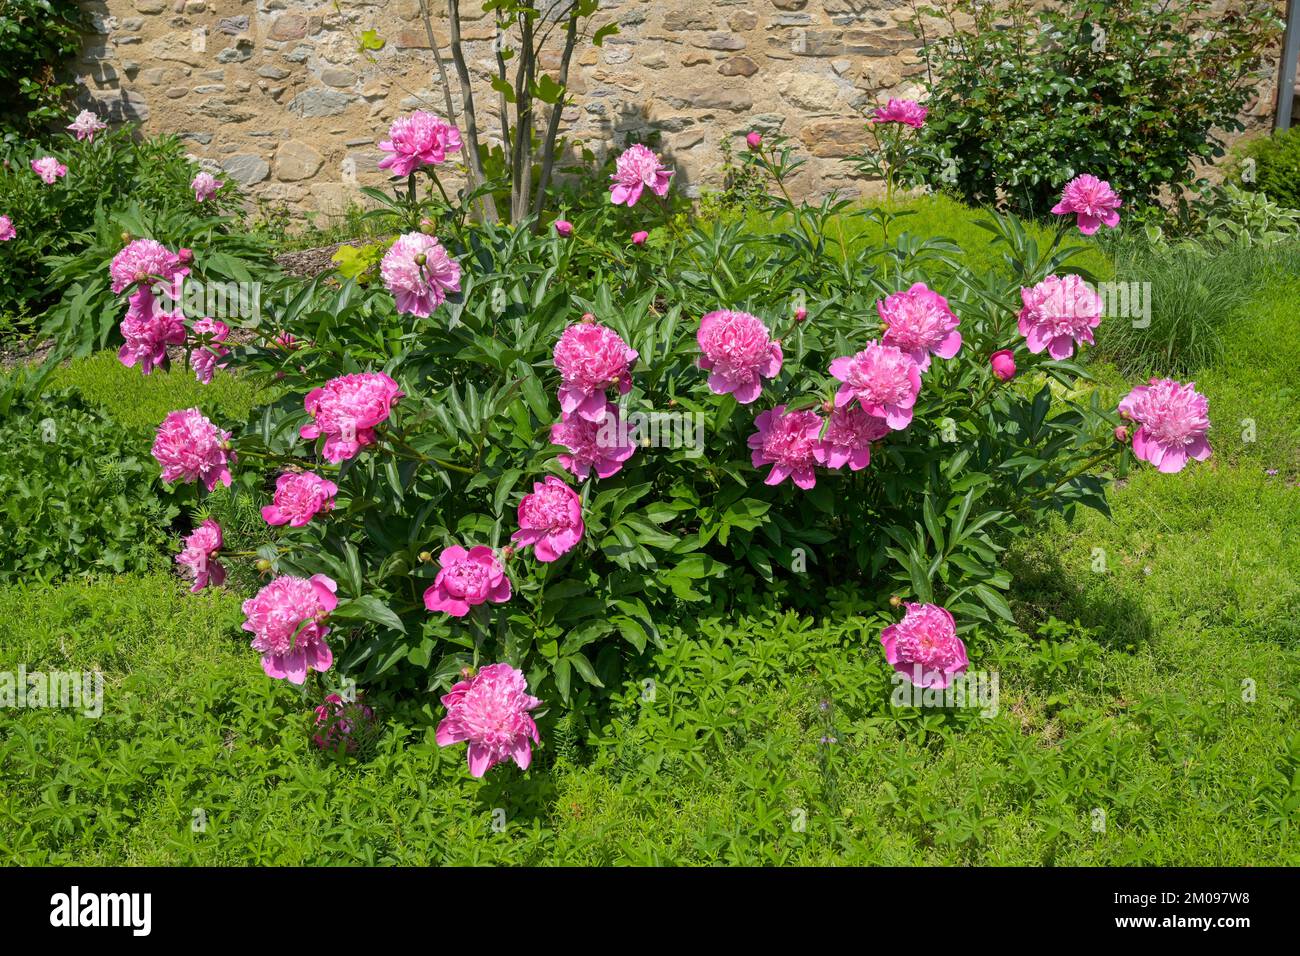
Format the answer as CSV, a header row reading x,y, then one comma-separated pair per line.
x,y
36,38
1271,165
1026,96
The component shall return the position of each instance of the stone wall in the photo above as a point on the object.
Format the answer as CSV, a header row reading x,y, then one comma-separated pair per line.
x,y
276,94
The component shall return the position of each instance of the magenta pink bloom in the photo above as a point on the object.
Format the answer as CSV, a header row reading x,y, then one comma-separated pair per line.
x,y
907,112
299,497
490,712
753,139
788,442
7,231
466,579
146,337
1057,313
920,323
591,357
421,139
1092,201
924,646
287,619
144,261
200,556
205,186
738,354
563,228
602,445
1004,365
848,438
636,169
419,273
639,237
339,723
86,125
206,357
49,169
882,379
346,411
1172,419
191,448
550,519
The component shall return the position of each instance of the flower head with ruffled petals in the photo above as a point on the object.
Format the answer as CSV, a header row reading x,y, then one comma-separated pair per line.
x,y
635,170
346,411
299,497
418,272
421,139
1058,313
1173,420
191,448
287,619
1092,201
788,442
739,353
920,323
848,438
924,646
601,446
592,357
466,579
882,379
550,519
199,556
490,713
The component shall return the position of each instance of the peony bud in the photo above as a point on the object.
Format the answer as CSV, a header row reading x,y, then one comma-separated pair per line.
x,y
467,673
508,552
185,255
754,140
1121,434
563,228
800,314
263,565
427,226
421,258
588,318
126,237
1004,366
639,238
895,601
425,557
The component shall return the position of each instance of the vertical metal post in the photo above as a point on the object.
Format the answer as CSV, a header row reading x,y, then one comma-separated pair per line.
x,y
1286,69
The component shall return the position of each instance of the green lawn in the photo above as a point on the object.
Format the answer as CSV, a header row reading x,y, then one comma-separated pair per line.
x,y
1147,712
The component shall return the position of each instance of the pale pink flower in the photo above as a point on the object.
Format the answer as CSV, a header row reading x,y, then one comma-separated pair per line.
x,y
205,186
788,442
146,337
490,713
466,579
7,230
1172,419
738,354
924,646
205,358
144,261
550,519
421,139
882,379
339,724
636,169
848,438
299,497
200,556
908,112
346,410
86,125
1092,201
1003,363
920,323
191,448
419,273
590,358
49,169
602,445
1057,313
287,618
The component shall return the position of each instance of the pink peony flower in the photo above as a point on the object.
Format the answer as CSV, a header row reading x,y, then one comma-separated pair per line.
x,y
753,139
908,112
419,273
636,169
421,139
603,445
788,442
144,261
1057,313
924,646
191,448
299,497
466,579
340,723
1004,365
563,228
920,323
7,231
287,619
86,125
146,337
848,438
49,169
738,354
490,712
200,556
550,519
1092,201
346,410
205,186
883,379
591,357
206,358
639,237
1172,421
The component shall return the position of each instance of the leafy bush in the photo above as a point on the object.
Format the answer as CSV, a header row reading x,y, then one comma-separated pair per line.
x,y
36,38
1271,165
77,493
1025,96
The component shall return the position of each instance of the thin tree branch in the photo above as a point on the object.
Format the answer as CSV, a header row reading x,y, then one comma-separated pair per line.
x,y
488,206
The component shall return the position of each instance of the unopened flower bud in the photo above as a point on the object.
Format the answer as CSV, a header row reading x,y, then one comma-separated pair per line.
x,y
563,228
895,601
427,226
588,318
1004,365
466,673
1121,434
828,406
263,565
425,557
754,139
126,237
508,552
800,314
185,255
639,238
421,258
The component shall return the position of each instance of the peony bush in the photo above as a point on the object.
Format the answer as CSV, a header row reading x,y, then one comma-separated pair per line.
x,y
493,472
